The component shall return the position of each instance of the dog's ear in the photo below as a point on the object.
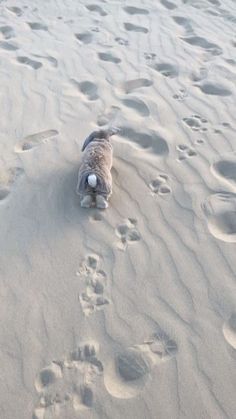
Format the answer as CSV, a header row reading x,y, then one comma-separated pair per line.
x,y
100,134
89,139
113,130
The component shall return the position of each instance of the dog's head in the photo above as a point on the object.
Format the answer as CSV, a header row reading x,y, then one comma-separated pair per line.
x,y
100,135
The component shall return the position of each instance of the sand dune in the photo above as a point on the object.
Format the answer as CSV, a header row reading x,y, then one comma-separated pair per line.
x,y
128,312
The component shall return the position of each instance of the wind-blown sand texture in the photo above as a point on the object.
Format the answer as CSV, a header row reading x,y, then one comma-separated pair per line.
x,y
129,312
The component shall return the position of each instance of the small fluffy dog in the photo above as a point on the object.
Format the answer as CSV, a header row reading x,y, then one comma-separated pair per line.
x,y
94,180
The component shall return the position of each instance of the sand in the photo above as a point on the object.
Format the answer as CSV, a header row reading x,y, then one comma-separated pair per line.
x,y
128,312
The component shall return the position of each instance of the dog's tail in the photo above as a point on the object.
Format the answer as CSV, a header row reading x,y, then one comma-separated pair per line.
x,y
92,180
106,133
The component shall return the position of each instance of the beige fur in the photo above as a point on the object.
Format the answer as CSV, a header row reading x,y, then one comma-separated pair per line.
x,y
97,159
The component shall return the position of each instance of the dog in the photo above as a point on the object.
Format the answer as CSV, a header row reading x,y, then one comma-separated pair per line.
x,y
94,179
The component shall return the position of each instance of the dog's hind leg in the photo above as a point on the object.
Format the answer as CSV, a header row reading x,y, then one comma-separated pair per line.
x,y
86,201
101,201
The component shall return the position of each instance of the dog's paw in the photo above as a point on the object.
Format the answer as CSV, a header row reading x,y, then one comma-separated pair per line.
x,y
86,201
101,202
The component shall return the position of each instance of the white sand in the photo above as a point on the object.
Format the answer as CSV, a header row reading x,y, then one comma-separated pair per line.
x,y
129,312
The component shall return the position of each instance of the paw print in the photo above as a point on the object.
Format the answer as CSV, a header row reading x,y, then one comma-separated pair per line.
x,y
196,123
160,185
93,298
149,56
95,29
127,233
185,152
181,95
68,383
199,141
122,41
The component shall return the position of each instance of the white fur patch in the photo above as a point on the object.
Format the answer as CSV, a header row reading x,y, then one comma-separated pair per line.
x,y
92,180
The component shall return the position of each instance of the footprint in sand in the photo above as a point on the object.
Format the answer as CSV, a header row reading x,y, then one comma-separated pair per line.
x,y
201,42
220,208
127,233
230,61
225,14
215,2
87,88
8,46
30,63
137,105
66,386
159,186
199,74
84,37
130,85
184,152
225,170
230,18
130,27
214,89
94,297
97,9
34,140
4,192
53,61
220,213
122,41
196,123
126,375
166,69
16,10
182,21
96,216
131,10
168,4
229,330
7,179
7,32
35,26
149,141
107,56
48,376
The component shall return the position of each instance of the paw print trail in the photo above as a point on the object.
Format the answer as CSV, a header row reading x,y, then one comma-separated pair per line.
x,y
66,386
94,296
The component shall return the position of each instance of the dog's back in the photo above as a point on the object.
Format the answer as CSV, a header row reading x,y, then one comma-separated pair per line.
x,y
96,160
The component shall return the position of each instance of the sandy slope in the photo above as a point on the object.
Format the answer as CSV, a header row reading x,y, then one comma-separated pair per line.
x,y
127,313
